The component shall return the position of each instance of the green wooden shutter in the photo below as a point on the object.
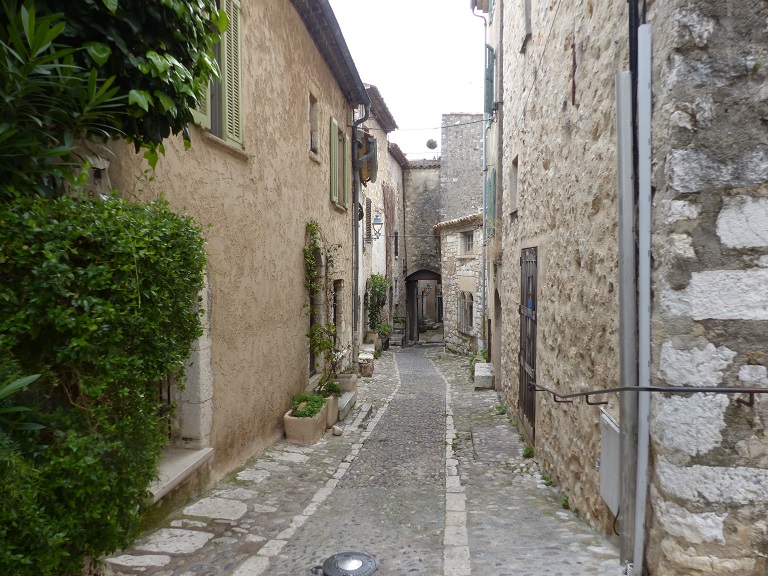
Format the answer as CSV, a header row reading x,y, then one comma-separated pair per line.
x,y
334,159
347,170
202,114
231,73
490,57
490,204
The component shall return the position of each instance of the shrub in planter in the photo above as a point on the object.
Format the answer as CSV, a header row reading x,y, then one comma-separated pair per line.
x,y
100,298
305,422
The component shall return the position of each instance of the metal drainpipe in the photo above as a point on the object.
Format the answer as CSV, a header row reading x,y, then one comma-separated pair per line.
x,y
355,233
644,211
486,125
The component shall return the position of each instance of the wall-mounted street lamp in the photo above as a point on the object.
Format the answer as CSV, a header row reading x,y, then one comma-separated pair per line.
x,y
377,224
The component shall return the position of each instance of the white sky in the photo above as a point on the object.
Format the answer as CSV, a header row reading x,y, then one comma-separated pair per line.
x,y
425,56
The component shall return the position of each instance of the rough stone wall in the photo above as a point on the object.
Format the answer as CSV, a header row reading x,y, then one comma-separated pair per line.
x,y
393,206
559,123
422,202
709,494
461,165
460,271
257,202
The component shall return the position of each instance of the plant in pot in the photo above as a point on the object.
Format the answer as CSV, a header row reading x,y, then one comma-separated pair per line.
x,y
384,331
305,422
323,339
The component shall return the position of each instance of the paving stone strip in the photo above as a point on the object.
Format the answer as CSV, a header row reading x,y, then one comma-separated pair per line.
x,y
428,478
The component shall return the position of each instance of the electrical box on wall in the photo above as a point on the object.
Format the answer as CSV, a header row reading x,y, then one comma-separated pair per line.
x,y
610,462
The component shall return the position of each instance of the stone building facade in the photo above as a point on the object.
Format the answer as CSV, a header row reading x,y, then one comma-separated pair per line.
x,y
556,219
461,165
280,159
709,488
382,199
461,261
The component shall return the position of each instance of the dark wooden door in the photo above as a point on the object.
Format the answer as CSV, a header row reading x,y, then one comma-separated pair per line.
x,y
527,354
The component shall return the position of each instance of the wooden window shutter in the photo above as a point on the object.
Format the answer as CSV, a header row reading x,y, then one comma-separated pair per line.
x,y
231,73
490,58
334,159
368,219
347,170
202,114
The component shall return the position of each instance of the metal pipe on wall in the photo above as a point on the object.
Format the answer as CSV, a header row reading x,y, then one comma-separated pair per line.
x,y
644,95
627,314
486,125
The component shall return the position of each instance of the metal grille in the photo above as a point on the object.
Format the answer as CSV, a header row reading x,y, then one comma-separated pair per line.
x,y
527,355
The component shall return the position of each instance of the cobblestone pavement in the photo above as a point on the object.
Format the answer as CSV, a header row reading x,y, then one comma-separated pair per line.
x,y
428,478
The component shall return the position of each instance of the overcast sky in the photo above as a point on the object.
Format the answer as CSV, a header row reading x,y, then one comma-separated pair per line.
x,y
425,57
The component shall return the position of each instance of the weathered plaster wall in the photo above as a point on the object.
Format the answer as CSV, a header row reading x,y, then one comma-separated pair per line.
x,y
257,202
461,166
709,494
558,123
422,203
375,250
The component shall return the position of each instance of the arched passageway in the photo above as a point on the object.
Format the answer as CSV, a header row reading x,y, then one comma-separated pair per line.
x,y
423,300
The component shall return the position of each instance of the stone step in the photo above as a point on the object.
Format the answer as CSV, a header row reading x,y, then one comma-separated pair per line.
x,y
484,376
346,401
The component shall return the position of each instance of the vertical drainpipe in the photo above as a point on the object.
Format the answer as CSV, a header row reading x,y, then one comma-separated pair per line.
x,y
644,134
486,124
627,314
355,233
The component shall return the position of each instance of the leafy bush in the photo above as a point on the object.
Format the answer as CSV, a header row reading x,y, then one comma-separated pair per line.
x,y
46,102
160,54
377,292
100,298
385,330
312,404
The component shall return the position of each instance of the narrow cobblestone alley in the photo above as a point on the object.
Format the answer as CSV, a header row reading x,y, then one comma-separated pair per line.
x,y
428,478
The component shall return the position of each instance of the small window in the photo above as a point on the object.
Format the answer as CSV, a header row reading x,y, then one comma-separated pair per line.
x,y
467,242
527,29
314,132
396,243
513,187
466,309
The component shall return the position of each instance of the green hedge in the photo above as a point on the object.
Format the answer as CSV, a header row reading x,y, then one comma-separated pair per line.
x,y
100,297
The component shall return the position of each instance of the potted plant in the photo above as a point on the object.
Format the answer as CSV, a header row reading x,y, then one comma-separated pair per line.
x,y
331,391
305,422
384,331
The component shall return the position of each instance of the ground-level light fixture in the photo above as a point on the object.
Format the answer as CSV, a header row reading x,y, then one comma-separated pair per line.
x,y
349,564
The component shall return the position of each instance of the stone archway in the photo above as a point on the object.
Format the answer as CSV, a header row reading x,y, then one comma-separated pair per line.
x,y
414,301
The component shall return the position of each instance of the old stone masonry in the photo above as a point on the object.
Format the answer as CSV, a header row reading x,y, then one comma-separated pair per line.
x,y
428,478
